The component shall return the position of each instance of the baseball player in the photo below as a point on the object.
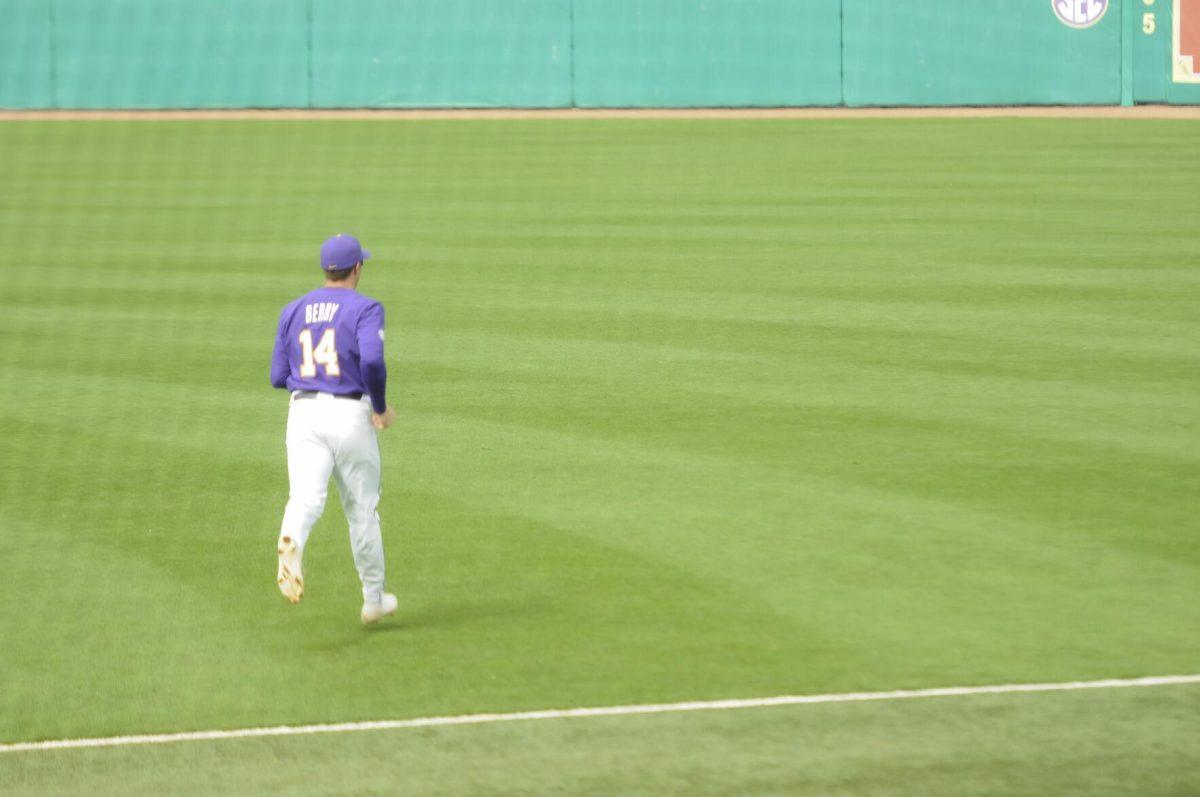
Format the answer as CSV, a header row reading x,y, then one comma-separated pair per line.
x,y
329,354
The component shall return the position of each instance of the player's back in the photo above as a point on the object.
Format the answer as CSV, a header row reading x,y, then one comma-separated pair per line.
x,y
330,336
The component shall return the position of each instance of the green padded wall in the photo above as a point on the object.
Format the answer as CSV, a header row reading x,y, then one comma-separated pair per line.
x,y
181,53
698,52
999,52
25,54
589,53
436,53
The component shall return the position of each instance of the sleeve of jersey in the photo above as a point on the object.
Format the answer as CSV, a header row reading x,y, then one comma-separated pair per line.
x,y
279,359
370,353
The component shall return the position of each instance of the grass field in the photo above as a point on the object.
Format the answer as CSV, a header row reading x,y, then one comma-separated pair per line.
x,y
688,410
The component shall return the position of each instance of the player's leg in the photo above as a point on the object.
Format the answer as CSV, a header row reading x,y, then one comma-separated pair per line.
x,y
357,475
310,462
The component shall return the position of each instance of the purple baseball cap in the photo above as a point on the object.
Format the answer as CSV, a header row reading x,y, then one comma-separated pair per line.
x,y
342,251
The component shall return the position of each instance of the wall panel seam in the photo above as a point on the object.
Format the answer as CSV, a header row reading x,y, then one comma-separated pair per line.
x,y
52,14
308,26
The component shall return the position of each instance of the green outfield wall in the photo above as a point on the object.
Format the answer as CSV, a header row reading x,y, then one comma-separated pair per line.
x,y
683,53
587,53
178,53
440,53
999,52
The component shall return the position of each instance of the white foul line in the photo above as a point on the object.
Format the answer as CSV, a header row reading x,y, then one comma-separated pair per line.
x,y
603,711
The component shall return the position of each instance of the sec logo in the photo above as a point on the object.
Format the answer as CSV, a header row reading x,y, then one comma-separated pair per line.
x,y
1079,13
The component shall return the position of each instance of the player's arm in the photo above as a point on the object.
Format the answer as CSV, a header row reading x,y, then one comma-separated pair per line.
x,y
374,370
280,370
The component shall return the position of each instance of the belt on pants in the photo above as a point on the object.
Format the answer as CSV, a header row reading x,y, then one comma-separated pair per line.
x,y
307,394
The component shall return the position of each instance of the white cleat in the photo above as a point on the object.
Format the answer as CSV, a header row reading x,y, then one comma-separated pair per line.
x,y
291,574
374,612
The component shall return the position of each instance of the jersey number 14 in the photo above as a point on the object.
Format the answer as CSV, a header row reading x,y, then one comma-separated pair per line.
x,y
325,353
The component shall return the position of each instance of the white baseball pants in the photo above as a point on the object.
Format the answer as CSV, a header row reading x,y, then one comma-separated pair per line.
x,y
334,436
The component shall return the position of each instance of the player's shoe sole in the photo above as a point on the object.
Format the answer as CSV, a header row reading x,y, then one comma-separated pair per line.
x,y
291,573
374,612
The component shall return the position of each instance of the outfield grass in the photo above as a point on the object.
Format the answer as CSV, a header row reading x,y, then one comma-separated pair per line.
x,y
688,409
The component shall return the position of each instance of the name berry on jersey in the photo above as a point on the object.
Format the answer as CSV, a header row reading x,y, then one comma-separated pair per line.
x,y
320,313
328,340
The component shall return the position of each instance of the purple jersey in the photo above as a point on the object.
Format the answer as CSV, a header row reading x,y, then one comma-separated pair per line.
x,y
331,340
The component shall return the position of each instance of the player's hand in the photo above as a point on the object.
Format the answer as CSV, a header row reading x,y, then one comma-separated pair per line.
x,y
383,420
